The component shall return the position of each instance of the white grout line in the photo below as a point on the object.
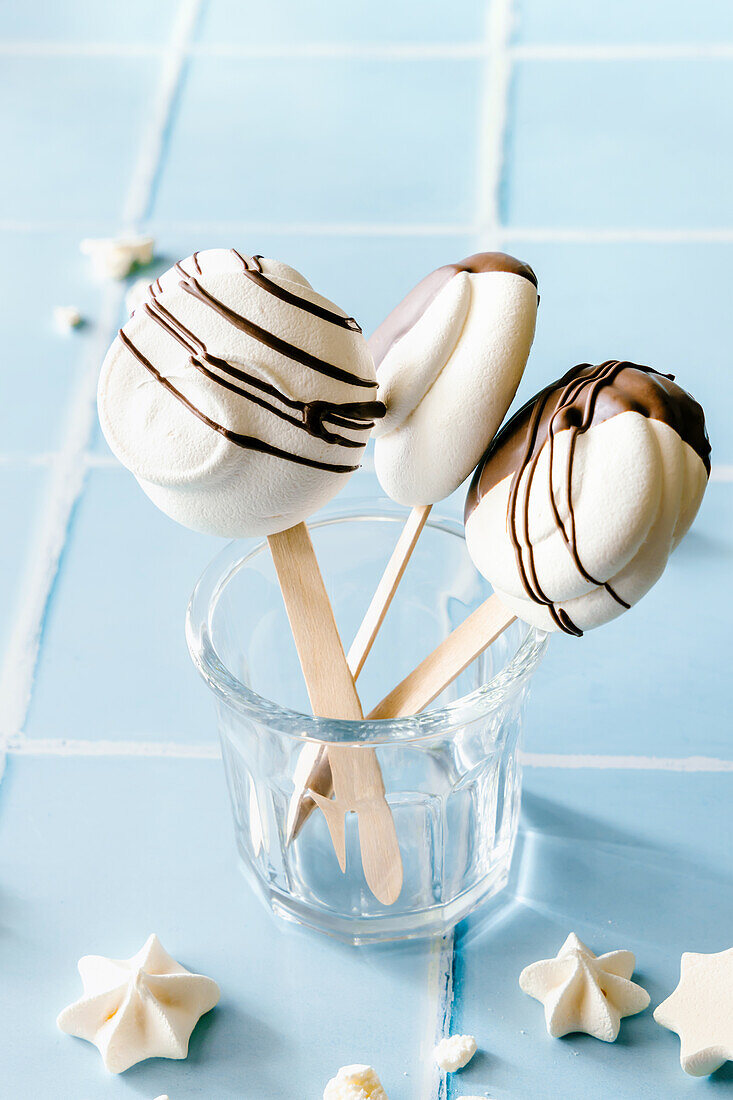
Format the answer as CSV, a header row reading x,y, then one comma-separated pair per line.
x,y
25,746
673,51
25,49
538,234
318,229
142,186
325,51
66,480
628,234
492,121
380,51
721,473
173,750
440,1007
68,468
626,763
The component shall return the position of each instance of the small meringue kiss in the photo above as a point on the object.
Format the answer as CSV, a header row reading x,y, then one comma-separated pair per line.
x,y
143,1007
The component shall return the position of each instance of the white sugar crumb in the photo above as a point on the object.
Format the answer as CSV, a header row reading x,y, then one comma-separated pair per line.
x,y
455,1052
136,295
355,1083
66,317
115,257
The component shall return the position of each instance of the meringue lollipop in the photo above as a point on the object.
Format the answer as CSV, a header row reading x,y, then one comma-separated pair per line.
x,y
242,401
449,359
574,510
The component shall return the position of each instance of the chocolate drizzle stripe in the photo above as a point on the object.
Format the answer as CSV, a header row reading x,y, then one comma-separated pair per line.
x,y
298,355
312,414
257,276
583,397
246,442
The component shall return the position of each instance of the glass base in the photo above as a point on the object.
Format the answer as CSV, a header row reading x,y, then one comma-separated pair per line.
x,y
430,923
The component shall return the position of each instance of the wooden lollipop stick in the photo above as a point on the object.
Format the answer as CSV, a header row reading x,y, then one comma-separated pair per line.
x,y
314,770
446,662
385,591
357,777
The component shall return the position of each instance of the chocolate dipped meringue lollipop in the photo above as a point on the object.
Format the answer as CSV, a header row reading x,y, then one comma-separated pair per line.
x,y
449,359
574,510
242,401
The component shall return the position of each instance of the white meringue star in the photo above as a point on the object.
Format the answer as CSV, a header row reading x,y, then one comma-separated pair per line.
x,y
701,1011
143,1007
585,992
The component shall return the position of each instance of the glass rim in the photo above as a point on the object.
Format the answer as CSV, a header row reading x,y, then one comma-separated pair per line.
x,y
231,691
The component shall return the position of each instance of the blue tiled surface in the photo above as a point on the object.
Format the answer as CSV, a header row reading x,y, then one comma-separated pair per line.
x,y
565,22
660,304
360,166
86,21
620,143
152,852
65,165
368,21
114,661
324,141
637,877
21,496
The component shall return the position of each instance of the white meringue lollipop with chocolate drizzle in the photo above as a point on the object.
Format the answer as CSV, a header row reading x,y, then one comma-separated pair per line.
x,y
242,401
574,510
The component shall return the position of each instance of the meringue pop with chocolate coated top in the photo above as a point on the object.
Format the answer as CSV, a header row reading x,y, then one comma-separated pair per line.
x,y
239,398
582,496
449,359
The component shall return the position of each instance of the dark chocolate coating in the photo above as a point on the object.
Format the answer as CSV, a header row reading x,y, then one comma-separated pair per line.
x,y
411,308
584,397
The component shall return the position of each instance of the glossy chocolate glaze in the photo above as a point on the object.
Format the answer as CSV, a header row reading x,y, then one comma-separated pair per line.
x,y
411,308
584,397
311,416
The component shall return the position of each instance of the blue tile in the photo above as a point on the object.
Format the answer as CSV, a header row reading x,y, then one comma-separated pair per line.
x,y
326,141
664,305
598,144
41,366
286,22
114,662
74,132
97,854
638,861
21,503
649,683
623,21
87,21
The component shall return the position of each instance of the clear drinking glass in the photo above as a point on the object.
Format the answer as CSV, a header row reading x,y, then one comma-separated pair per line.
x,y
452,773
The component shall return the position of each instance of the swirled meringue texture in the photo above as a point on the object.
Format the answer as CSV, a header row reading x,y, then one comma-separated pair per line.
x,y
449,359
581,498
239,398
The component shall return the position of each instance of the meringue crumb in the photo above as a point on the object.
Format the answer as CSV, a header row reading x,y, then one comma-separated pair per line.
x,y
455,1052
355,1083
66,317
115,257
